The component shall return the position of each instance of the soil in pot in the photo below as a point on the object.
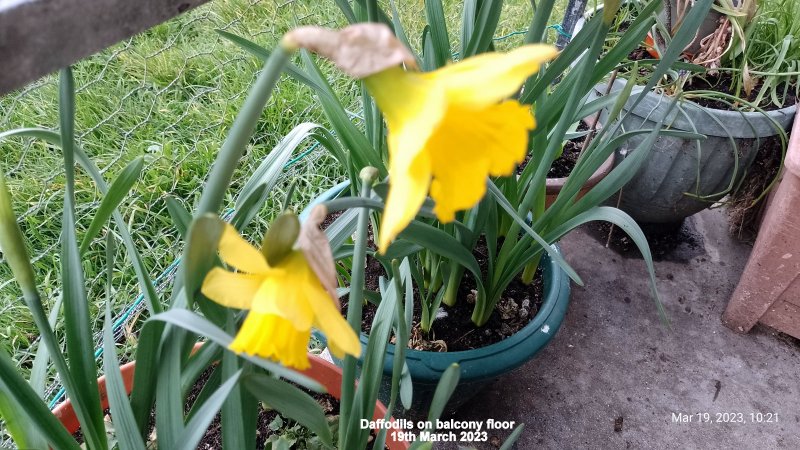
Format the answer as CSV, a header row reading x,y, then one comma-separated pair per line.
x,y
454,330
563,165
744,213
722,82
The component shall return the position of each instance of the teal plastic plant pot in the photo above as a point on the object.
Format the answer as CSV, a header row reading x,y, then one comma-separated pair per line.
x,y
481,366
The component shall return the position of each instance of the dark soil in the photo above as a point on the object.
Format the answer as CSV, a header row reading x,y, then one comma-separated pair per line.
x,y
564,164
212,439
668,242
744,212
454,330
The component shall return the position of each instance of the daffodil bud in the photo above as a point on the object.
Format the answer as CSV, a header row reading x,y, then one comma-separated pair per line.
x,y
368,174
280,238
12,243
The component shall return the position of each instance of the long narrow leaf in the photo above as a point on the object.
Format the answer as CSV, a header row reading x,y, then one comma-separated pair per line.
x,y
202,326
198,425
41,418
77,324
125,429
116,193
290,402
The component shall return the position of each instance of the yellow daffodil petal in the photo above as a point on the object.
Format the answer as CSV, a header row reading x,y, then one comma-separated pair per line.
x,y
238,253
413,107
408,186
341,337
469,146
284,296
273,337
234,290
491,77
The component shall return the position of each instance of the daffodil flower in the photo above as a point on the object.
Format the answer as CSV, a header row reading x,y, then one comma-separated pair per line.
x,y
285,301
451,128
448,130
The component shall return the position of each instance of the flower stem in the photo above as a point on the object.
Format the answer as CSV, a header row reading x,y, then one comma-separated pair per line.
x,y
354,306
239,136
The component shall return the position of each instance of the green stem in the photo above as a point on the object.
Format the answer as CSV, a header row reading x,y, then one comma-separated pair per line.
x,y
530,269
355,304
243,126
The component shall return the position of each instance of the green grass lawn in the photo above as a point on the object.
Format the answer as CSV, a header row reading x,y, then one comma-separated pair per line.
x,y
170,94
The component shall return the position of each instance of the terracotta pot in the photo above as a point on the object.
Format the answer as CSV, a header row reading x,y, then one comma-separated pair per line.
x,y
325,373
769,291
554,185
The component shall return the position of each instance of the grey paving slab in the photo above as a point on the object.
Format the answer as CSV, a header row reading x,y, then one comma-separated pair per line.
x,y
616,377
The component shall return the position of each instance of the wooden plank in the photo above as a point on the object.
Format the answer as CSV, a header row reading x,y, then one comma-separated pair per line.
x,y
41,36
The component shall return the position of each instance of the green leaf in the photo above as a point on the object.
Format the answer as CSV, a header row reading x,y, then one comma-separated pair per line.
x,y
125,429
290,402
24,398
169,401
512,438
440,41
485,27
344,6
536,32
198,425
468,13
16,423
447,385
233,432
200,254
116,193
443,244
77,324
629,226
181,218
42,359
504,203
202,326
371,371
266,176
399,31
144,383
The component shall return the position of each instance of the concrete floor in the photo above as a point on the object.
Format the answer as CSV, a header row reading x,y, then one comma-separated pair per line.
x,y
614,364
